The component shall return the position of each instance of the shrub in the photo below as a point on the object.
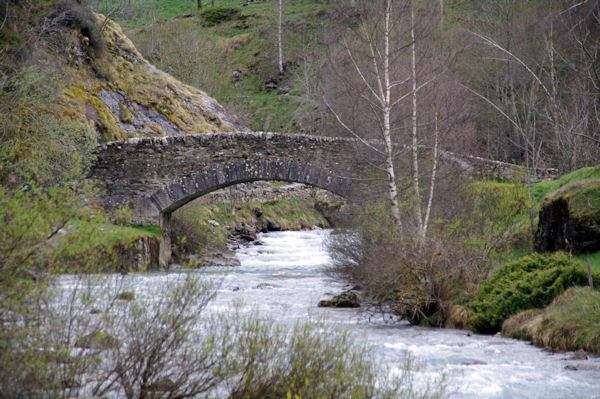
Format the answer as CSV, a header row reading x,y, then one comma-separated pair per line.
x,y
216,15
73,15
419,279
528,283
35,143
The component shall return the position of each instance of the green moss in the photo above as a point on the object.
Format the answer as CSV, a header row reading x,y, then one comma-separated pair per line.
x,y
145,228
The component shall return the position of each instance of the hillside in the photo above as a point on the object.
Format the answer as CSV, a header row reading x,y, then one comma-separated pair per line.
x,y
104,81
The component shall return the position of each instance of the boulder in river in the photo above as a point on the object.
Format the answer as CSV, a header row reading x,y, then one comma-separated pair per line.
x,y
347,299
273,226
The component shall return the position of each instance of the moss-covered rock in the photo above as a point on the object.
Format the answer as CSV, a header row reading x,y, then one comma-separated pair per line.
x,y
124,95
570,218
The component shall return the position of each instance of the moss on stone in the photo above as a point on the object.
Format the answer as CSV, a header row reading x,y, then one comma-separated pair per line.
x,y
125,70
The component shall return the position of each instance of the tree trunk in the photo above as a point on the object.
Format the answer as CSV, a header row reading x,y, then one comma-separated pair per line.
x,y
279,36
415,153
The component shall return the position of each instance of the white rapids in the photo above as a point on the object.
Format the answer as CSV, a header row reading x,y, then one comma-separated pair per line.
x,y
283,279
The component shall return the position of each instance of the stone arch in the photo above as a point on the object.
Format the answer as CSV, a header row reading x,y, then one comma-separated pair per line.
x,y
179,192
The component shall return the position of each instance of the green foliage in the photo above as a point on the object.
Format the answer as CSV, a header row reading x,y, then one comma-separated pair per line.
x,y
216,15
570,323
151,229
544,188
530,282
35,143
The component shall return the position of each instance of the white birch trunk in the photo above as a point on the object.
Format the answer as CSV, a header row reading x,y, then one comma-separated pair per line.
x,y
433,173
415,154
279,46
387,131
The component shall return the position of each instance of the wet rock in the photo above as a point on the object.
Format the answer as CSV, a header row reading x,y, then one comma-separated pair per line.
x,y
273,226
220,259
264,286
473,362
578,355
570,367
347,299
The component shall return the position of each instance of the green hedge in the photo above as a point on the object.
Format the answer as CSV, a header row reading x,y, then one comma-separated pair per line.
x,y
527,283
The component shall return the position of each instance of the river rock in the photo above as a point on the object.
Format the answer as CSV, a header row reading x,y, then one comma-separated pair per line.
x,y
347,299
273,226
578,355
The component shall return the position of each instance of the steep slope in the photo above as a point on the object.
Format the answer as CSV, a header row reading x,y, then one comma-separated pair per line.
x,y
126,96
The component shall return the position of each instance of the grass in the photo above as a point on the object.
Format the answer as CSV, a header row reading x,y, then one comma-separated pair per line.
x,y
544,188
150,229
594,261
247,44
570,323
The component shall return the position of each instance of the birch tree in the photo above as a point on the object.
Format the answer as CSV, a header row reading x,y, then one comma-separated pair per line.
x,y
279,44
383,57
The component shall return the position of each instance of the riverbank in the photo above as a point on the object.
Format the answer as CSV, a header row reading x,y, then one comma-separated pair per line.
x,y
208,230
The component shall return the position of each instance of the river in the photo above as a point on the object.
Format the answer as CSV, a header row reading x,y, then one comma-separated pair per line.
x,y
283,279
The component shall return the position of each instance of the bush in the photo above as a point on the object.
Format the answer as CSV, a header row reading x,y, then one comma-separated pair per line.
x,y
216,15
73,15
166,345
528,283
419,279
34,142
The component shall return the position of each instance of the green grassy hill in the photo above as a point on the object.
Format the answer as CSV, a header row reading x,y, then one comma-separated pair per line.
x,y
235,59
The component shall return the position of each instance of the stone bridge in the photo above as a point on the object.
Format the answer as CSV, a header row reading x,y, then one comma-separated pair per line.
x,y
156,176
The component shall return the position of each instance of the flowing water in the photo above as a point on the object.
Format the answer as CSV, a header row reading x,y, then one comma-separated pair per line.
x,y
283,279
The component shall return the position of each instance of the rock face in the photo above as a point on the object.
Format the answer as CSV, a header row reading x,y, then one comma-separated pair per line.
x,y
141,255
124,96
347,299
570,219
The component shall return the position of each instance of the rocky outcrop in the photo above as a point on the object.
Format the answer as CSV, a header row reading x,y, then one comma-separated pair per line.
x,y
570,219
139,255
347,299
124,96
